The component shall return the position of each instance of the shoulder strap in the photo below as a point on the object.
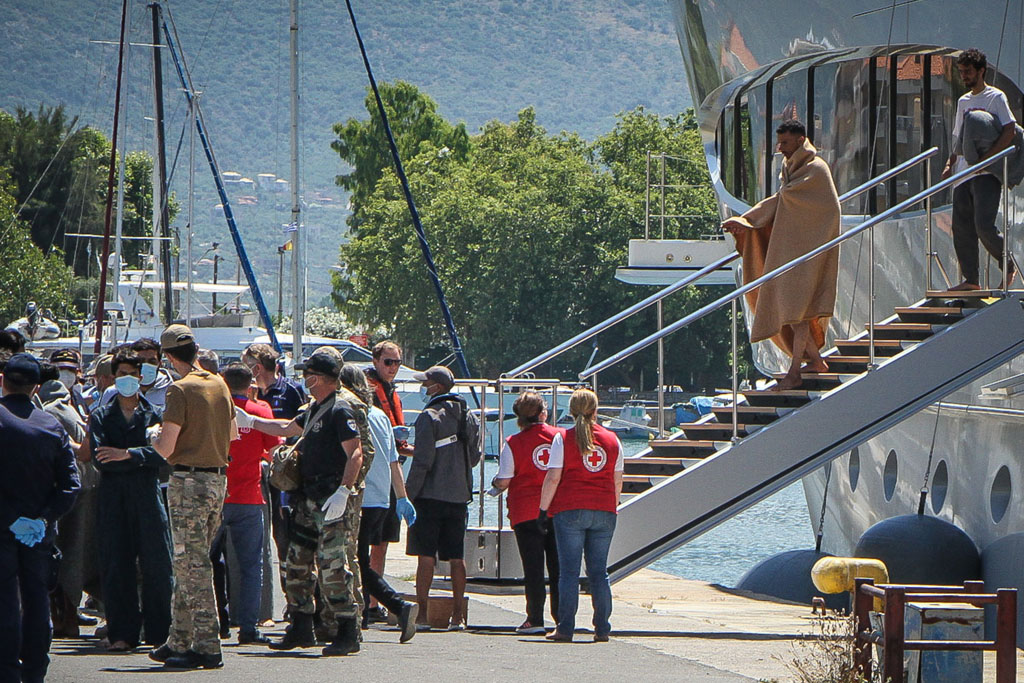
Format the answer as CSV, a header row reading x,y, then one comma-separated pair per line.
x,y
319,414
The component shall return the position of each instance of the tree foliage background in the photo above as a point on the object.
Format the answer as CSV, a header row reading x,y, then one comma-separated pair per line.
x,y
527,229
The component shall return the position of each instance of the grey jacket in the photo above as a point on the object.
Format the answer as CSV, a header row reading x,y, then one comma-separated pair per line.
x,y
980,132
443,459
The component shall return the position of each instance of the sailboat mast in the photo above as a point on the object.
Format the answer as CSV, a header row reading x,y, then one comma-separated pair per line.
x,y
100,300
298,264
160,208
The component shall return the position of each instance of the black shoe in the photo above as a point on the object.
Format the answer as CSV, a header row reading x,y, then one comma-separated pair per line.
x,y
376,615
252,637
194,660
347,641
163,653
299,634
225,632
407,621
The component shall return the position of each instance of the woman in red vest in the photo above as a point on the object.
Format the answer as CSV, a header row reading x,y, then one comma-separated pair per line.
x,y
581,491
522,466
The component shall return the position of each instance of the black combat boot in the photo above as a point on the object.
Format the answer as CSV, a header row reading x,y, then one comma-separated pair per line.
x,y
347,641
299,634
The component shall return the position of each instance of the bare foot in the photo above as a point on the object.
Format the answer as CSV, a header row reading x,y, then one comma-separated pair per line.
x,y
790,381
965,287
817,366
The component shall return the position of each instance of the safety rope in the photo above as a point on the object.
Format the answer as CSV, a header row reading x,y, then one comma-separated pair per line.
x,y
928,467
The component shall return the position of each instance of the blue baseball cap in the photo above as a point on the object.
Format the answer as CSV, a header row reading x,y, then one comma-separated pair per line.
x,y
22,368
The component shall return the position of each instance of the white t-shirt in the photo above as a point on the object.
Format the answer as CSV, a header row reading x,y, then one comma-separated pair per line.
x,y
558,454
993,100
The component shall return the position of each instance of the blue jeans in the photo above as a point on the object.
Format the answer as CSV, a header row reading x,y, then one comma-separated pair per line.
x,y
579,533
245,524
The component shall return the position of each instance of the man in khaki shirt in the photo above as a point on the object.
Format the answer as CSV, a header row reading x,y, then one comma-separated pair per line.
x,y
199,425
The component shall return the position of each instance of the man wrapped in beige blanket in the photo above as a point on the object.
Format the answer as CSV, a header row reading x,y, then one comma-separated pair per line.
x,y
794,308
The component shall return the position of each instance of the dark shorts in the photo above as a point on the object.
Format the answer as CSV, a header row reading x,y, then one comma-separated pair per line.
x,y
440,529
392,524
371,526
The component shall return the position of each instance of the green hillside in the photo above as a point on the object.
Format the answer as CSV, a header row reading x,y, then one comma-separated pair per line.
x,y
578,63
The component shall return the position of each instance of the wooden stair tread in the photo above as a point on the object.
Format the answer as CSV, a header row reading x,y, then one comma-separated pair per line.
x,y
680,443
928,309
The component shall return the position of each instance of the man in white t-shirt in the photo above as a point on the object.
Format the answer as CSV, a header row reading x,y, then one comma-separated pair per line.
x,y
976,200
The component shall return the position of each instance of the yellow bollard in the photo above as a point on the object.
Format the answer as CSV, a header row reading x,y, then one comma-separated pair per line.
x,y
837,574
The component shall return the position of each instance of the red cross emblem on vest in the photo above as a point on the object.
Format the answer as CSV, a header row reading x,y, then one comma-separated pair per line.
x,y
541,456
596,460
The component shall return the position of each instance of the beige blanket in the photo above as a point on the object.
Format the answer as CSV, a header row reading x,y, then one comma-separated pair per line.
x,y
804,214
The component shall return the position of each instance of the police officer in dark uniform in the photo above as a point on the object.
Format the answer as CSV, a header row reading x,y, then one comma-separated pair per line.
x,y
39,484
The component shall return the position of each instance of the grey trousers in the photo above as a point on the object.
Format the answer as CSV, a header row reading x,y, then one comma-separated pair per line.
x,y
975,208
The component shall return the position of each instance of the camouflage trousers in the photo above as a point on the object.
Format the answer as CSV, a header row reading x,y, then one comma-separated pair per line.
x,y
195,500
317,544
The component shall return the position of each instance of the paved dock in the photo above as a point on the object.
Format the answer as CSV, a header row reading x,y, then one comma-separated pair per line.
x,y
664,628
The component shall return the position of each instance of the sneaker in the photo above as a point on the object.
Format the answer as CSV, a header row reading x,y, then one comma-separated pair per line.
x,y
457,625
600,637
376,615
407,621
252,638
194,660
163,653
557,637
528,629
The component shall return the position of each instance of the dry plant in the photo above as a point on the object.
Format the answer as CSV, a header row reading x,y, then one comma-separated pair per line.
x,y
827,656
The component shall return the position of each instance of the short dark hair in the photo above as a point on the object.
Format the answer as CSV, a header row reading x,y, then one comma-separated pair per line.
x,y
973,57
238,377
264,354
47,371
125,356
794,126
209,360
184,354
146,344
11,340
380,347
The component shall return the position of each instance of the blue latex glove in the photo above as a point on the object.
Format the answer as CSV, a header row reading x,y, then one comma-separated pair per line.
x,y
406,511
28,531
401,432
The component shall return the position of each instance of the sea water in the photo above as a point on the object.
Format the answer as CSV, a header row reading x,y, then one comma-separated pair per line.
x,y
724,554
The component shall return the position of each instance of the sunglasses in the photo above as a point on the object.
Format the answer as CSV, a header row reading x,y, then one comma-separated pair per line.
x,y
392,362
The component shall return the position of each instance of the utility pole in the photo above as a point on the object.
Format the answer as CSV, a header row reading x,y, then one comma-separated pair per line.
x,y
298,264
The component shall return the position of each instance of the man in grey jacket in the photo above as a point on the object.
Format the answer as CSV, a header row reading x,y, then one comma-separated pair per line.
x,y
440,485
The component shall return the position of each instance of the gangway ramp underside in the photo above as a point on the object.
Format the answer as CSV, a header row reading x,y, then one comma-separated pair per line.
x,y
743,473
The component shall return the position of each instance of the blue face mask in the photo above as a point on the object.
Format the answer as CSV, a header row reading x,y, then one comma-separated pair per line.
x,y
423,391
148,373
127,385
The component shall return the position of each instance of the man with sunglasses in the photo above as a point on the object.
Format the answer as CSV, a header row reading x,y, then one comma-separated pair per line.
x,y
387,360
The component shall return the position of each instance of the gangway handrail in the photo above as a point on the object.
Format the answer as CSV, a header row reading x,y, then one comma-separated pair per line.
x,y
703,272
831,244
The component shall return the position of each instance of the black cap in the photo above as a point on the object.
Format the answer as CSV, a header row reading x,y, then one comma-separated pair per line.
x,y
65,358
438,374
321,363
22,368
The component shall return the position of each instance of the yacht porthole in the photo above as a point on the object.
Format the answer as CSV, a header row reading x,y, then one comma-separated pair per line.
x,y
940,483
853,468
999,499
889,475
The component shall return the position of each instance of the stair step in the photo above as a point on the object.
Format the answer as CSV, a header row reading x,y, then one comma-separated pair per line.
x,y
651,465
930,314
791,398
715,431
632,483
859,347
682,448
904,331
847,364
818,381
761,415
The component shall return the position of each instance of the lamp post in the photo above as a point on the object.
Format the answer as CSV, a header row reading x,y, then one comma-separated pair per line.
x,y
280,283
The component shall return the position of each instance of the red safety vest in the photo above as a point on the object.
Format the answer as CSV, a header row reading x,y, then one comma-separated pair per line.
x,y
588,482
531,449
391,405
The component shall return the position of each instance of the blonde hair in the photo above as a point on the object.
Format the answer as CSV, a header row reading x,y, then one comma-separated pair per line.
x,y
583,408
528,408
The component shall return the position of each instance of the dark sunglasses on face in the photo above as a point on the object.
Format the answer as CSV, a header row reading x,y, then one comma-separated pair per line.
x,y
392,362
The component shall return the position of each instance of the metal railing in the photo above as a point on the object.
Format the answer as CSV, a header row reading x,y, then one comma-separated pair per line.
x,y
831,244
661,294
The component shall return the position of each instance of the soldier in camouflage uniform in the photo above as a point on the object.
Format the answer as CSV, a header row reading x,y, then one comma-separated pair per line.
x,y
331,468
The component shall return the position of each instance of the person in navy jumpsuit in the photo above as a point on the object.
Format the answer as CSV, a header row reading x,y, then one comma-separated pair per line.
x,y
39,484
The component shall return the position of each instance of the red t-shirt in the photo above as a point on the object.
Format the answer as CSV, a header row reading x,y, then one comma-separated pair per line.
x,y
247,454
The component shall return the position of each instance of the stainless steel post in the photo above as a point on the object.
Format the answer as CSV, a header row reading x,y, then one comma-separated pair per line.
x,y
483,449
662,187
647,200
871,298
929,254
735,377
661,377
1006,225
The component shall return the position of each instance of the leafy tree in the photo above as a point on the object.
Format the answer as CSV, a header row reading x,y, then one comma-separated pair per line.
x,y
527,231
26,274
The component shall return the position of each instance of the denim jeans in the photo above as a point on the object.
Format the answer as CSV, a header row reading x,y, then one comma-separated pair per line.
x,y
245,524
580,533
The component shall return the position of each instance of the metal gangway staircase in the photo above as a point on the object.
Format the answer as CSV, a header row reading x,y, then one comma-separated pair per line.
x,y
765,440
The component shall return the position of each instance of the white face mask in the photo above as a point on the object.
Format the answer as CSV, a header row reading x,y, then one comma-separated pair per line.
x,y
68,378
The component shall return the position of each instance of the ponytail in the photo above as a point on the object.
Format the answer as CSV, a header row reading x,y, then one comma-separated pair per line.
x,y
583,408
